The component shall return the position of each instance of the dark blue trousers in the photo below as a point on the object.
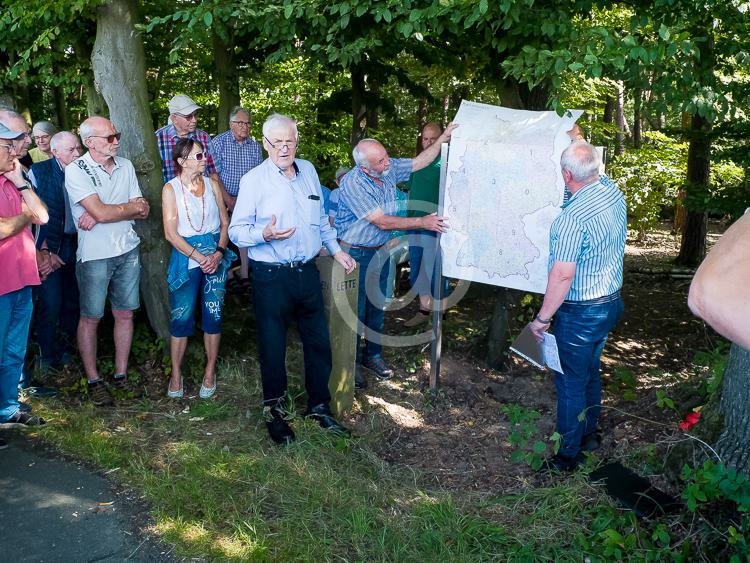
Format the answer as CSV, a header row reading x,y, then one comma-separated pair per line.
x,y
281,294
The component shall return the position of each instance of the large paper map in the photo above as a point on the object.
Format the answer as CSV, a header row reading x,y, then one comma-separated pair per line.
x,y
503,190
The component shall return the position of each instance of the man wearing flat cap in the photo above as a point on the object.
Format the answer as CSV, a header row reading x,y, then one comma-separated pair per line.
x,y
183,121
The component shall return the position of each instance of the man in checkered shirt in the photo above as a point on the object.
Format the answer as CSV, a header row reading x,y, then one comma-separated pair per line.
x,y
183,119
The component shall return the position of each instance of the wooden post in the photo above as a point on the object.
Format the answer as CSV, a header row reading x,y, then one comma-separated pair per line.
x,y
340,299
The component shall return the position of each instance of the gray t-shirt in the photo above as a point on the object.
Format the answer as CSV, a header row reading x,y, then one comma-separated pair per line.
x,y
83,178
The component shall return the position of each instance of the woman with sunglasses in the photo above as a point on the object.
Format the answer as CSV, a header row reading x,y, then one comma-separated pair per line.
x,y
195,224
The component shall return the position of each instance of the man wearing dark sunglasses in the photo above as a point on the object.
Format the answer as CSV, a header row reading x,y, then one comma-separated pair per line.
x,y
183,123
105,200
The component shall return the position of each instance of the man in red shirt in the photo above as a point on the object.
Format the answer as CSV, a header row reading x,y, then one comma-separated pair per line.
x,y
19,207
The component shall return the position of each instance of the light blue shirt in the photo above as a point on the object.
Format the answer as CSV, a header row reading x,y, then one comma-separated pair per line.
x,y
360,196
591,232
298,203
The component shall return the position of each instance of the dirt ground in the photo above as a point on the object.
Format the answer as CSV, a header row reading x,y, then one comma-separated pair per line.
x,y
459,436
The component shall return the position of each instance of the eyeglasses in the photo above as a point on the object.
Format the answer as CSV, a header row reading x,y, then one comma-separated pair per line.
x,y
243,123
193,116
196,156
109,138
281,144
41,137
11,147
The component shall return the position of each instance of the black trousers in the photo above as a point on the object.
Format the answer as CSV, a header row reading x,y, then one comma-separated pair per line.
x,y
281,294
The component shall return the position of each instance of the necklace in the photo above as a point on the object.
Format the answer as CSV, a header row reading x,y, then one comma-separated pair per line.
x,y
187,211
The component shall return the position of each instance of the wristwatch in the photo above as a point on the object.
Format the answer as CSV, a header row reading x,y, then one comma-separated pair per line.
x,y
26,186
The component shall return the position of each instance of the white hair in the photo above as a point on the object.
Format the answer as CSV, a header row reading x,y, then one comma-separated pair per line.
x,y
86,130
360,156
582,160
279,121
341,172
236,110
46,127
58,138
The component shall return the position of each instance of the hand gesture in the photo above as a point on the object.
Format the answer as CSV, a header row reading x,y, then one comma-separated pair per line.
x,y
15,174
446,135
43,263
270,233
346,261
141,207
538,329
86,222
211,263
434,223
55,262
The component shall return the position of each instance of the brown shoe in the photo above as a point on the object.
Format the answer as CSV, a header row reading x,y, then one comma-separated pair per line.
x,y
124,388
99,395
420,318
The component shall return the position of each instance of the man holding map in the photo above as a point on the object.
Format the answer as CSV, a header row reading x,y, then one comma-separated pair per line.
x,y
364,222
587,245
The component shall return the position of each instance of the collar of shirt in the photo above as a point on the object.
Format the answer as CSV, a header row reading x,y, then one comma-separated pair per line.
x,y
294,164
95,164
573,196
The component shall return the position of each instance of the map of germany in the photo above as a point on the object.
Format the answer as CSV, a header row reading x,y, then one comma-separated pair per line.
x,y
503,189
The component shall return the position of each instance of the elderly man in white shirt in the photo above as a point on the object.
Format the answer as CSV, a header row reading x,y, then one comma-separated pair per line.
x,y
279,217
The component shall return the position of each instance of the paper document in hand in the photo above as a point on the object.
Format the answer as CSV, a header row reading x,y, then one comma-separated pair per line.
x,y
528,348
551,353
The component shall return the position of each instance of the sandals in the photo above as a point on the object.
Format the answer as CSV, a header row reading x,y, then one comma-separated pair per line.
x,y
176,394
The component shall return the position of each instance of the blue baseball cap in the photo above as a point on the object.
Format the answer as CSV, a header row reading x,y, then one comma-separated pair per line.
x,y
9,134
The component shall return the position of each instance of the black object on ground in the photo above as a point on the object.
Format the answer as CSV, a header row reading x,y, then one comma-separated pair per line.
x,y
634,492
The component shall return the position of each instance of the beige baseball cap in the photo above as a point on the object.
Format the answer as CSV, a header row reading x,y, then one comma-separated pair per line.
x,y
182,105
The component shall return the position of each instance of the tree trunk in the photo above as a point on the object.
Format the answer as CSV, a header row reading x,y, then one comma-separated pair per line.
x,y
637,119
359,110
693,246
227,78
421,120
95,104
620,117
373,116
733,446
61,108
120,75
609,110
498,333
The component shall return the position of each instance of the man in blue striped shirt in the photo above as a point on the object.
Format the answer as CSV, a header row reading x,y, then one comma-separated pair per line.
x,y
279,217
587,245
365,219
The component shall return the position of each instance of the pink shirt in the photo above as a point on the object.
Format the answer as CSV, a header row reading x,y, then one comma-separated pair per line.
x,y
17,253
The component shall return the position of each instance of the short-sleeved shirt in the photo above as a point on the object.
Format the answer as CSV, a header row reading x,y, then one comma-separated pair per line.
x,y
167,137
84,178
297,202
591,232
234,159
424,190
360,196
17,253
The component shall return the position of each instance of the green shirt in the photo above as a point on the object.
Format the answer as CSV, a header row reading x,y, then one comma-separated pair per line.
x,y
424,190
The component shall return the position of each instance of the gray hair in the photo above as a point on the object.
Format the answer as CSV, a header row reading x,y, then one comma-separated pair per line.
x,y
582,160
340,172
360,156
279,121
46,127
58,138
236,110
86,130
10,114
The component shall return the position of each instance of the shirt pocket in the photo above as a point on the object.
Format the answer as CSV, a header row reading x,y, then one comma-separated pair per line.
x,y
313,211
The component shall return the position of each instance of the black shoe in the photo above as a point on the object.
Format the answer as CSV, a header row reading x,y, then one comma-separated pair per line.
x,y
591,442
99,395
278,428
22,419
23,407
322,414
378,367
559,462
359,380
124,388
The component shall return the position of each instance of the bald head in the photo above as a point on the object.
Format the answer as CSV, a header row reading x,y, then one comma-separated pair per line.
x,y
581,161
101,138
430,133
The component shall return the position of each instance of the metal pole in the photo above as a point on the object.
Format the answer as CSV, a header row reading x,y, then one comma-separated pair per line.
x,y
437,296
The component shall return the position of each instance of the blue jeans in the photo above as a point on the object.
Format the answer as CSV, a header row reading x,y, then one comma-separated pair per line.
x,y
423,254
373,280
15,317
209,289
581,331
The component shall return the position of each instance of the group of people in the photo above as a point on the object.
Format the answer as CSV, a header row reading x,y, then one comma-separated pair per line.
x,y
219,196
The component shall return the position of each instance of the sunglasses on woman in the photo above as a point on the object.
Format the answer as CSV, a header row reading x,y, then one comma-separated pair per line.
x,y
196,156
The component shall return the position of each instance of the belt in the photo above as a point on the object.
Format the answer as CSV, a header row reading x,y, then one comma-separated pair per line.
x,y
292,264
346,245
597,300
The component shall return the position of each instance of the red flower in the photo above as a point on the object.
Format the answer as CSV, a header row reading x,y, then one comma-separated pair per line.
x,y
690,420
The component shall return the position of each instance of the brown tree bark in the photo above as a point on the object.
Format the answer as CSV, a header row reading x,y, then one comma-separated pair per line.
x,y
693,245
733,445
227,78
359,109
120,75
620,120
637,118
61,108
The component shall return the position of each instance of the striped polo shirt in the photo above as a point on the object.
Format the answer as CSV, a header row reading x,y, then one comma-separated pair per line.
x,y
360,196
591,232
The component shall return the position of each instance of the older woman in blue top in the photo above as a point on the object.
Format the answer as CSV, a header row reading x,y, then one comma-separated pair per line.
x,y
195,224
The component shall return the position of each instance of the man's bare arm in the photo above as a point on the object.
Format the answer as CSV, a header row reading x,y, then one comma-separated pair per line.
x,y
10,226
718,293
426,157
392,223
112,213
